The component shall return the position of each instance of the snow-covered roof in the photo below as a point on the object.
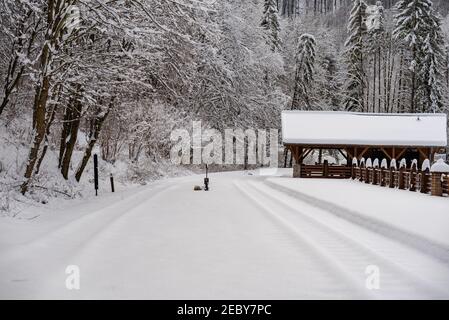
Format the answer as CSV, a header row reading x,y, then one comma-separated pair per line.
x,y
376,129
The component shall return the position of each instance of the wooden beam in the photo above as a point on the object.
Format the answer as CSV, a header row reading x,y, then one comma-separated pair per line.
x,y
300,152
349,153
345,156
401,153
305,155
362,153
425,156
386,153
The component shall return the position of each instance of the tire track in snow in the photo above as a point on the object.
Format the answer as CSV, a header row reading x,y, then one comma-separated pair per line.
x,y
336,268
346,254
94,221
417,242
60,248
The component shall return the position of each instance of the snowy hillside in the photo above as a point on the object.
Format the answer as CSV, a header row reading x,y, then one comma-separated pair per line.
x,y
50,187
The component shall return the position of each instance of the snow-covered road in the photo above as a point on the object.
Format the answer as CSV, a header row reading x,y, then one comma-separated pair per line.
x,y
244,239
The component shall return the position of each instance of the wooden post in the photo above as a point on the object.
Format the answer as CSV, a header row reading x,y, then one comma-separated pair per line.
x,y
285,156
325,168
382,177
401,178
296,170
413,178
447,184
366,174
362,171
375,173
112,183
424,182
437,187
391,178
353,172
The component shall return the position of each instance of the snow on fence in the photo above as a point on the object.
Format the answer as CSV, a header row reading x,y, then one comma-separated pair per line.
x,y
428,180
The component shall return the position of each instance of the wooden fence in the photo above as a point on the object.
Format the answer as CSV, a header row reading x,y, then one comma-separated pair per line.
x,y
325,171
404,179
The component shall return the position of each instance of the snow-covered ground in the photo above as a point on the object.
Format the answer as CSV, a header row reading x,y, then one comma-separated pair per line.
x,y
252,236
49,187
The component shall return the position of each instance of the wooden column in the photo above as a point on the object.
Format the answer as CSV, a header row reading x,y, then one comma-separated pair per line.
x,y
413,178
367,175
325,169
424,182
437,186
391,179
375,175
296,170
401,178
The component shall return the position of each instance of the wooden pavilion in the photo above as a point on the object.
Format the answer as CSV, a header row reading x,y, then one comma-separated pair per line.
x,y
360,135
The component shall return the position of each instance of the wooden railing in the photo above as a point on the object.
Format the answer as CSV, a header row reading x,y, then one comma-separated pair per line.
x,y
445,185
404,179
325,171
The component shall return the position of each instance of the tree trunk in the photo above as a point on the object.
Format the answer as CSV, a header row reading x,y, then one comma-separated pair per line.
x,y
16,69
64,134
93,137
379,76
50,119
41,97
39,132
413,93
374,82
11,83
75,119
401,72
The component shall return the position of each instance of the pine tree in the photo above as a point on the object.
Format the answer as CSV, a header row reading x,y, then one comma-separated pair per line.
x,y
419,27
355,55
270,22
432,67
305,69
375,23
289,8
328,87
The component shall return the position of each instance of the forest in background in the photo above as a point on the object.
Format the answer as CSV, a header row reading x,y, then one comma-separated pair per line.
x,y
116,77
